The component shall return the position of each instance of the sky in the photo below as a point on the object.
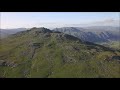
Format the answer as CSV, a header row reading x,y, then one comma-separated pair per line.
x,y
52,19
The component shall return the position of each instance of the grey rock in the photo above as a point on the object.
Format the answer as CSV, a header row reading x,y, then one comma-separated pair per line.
x,y
2,62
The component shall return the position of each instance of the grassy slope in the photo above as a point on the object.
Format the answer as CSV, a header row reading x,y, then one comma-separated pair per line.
x,y
56,58
111,44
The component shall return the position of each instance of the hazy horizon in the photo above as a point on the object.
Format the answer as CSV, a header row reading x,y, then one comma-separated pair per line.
x,y
57,19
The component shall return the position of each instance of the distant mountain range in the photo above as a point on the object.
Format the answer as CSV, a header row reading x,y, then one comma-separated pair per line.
x,y
7,32
93,33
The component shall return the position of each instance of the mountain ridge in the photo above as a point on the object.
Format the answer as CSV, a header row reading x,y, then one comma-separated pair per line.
x,y
42,53
93,34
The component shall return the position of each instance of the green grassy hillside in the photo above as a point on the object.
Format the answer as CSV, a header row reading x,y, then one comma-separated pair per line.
x,y
112,44
41,53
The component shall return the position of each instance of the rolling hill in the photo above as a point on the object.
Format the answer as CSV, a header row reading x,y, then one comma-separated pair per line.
x,y
42,53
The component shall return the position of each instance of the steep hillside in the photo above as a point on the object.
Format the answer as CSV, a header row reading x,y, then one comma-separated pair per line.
x,y
42,53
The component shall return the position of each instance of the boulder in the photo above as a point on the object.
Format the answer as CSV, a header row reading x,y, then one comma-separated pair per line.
x,y
2,63
7,63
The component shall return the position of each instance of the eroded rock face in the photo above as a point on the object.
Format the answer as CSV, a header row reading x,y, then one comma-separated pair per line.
x,y
7,63
42,30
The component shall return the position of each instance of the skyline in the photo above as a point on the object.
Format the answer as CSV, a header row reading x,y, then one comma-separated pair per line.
x,y
53,19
